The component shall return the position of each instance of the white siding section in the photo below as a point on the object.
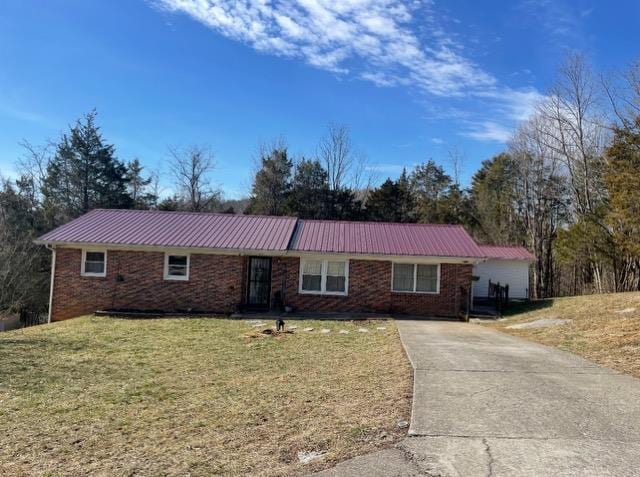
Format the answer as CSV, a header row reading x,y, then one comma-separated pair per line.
x,y
514,273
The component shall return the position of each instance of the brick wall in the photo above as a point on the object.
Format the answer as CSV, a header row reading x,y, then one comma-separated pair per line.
x,y
370,290
215,284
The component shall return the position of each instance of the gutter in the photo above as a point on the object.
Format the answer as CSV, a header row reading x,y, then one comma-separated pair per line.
x,y
267,253
53,275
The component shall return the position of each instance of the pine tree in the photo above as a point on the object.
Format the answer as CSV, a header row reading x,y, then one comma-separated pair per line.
x,y
309,191
392,202
272,183
431,184
622,176
493,195
138,186
84,174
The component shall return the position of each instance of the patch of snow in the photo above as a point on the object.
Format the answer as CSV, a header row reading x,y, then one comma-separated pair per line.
x,y
625,311
308,329
541,323
343,332
363,330
294,327
306,457
381,328
325,331
259,325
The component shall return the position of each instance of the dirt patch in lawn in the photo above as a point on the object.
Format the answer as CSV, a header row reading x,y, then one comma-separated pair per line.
x,y
103,396
602,328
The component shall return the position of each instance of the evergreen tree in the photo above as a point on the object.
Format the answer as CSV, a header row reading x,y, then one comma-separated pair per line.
x,y
138,186
431,184
272,183
456,207
84,174
407,200
344,205
309,191
494,199
24,275
393,201
622,176
171,204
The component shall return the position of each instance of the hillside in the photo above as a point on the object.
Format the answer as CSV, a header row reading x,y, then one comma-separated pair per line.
x,y
602,328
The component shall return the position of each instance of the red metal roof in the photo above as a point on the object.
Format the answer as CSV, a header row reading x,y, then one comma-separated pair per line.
x,y
505,252
267,233
176,229
380,238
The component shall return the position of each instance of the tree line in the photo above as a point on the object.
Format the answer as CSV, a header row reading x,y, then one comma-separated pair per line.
x,y
567,186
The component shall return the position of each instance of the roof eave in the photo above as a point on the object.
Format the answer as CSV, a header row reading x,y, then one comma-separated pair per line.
x,y
272,252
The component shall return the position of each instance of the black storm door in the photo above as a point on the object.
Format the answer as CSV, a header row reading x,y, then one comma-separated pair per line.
x,y
259,289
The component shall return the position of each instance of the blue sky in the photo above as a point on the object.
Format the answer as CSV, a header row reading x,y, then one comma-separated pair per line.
x,y
412,79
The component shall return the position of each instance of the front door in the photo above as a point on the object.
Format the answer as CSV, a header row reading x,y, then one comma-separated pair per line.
x,y
259,289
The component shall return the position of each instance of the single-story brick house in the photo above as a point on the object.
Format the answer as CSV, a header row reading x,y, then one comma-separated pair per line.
x,y
218,263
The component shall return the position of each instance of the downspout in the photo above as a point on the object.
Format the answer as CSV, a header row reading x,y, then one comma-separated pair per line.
x,y
53,275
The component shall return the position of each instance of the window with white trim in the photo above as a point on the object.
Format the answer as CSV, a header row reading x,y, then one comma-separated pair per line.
x,y
176,267
416,278
94,263
327,277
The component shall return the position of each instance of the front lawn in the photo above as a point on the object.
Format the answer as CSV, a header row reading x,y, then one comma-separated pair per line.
x,y
602,328
196,396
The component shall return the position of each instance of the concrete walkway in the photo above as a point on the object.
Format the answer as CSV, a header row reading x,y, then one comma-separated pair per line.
x,y
487,404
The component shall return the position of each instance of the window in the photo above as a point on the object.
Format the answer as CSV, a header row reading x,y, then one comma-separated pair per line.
x,y
336,277
403,277
416,278
94,263
312,275
427,278
176,267
328,277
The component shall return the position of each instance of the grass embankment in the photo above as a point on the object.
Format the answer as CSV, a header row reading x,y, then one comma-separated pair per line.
x,y
603,328
108,396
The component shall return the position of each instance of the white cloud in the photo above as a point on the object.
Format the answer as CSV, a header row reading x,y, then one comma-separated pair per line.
x,y
21,114
515,104
437,140
561,19
488,131
373,38
386,42
387,168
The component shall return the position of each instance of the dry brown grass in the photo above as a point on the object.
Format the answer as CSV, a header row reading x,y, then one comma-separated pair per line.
x,y
597,332
105,396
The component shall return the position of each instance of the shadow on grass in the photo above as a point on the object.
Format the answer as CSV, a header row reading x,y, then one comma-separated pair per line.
x,y
518,307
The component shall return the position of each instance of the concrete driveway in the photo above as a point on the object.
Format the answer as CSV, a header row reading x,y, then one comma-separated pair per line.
x,y
488,404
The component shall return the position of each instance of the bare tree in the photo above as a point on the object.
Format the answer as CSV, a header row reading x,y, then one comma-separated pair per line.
x,y
335,151
541,198
456,161
32,168
623,92
155,187
572,130
191,168
364,177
